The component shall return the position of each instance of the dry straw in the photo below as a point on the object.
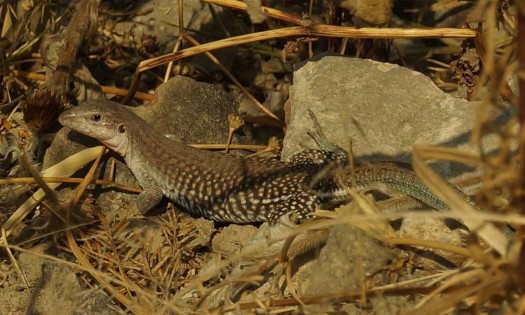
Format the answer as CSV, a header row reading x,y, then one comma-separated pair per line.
x,y
167,277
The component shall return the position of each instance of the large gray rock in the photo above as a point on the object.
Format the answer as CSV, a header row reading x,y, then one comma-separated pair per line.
x,y
383,108
190,111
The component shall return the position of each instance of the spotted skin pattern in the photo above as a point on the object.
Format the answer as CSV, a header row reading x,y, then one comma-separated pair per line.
x,y
210,184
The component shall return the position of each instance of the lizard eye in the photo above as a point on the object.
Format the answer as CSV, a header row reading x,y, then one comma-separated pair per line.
x,y
96,117
122,129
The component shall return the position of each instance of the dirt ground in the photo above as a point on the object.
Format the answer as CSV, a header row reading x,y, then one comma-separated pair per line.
x,y
80,245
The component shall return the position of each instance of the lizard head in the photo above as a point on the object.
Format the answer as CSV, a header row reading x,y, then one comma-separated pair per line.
x,y
102,120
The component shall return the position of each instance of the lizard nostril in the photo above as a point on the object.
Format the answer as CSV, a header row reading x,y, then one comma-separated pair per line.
x,y
122,129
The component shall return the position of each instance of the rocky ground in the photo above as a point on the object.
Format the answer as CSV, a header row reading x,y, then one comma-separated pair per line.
x,y
110,259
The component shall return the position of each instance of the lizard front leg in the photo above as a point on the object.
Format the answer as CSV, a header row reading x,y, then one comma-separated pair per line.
x,y
148,198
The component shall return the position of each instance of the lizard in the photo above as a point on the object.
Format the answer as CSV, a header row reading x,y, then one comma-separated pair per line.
x,y
224,187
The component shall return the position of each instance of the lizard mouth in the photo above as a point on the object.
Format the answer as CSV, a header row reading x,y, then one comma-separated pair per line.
x,y
66,119
75,122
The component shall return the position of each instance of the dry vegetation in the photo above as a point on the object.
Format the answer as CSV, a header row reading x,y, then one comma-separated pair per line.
x,y
148,273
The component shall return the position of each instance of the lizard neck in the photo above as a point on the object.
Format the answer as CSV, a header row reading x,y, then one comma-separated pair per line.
x,y
121,145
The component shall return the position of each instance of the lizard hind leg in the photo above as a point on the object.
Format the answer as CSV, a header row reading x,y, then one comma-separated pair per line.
x,y
320,138
295,209
337,154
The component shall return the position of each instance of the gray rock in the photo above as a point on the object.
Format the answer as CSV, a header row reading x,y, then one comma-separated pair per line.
x,y
231,238
348,254
53,286
431,229
59,289
383,108
203,236
189,111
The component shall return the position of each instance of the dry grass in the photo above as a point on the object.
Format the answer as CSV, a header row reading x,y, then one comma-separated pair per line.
x,y
162,272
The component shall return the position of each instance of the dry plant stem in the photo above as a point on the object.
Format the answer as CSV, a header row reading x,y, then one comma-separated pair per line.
x,y
521,112
53,205
429,244
84,184
347,296
448,302
521,307
294,31
235,81
100,274
78,253
105,89
182,34
310,44
291,286
486,230
505,90
458,277
486,49
13,260
313,30
274,13
57,231
64,168
180,12
355,219
51,201
178,44
447,5
105,182
81,22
